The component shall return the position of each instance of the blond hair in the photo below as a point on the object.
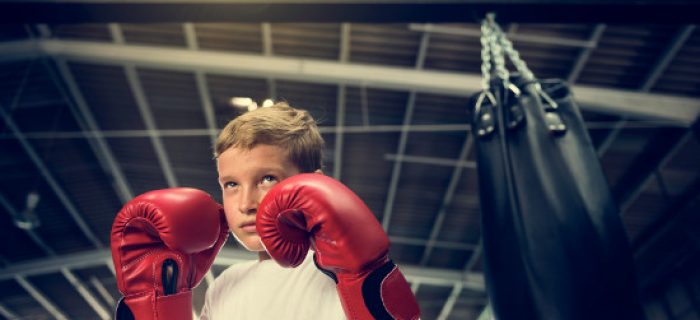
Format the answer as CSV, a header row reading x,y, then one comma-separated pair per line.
x,y
293,130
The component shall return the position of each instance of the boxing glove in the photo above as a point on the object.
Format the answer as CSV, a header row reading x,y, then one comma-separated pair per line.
x,y
163,243
315,211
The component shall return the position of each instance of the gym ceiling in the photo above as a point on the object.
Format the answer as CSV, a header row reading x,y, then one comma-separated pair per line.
x,y
103,100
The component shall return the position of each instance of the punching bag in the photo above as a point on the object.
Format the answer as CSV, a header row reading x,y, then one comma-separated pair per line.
x,y
554,244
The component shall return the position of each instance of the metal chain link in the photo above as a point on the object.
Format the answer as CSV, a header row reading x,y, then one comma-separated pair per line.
x,y
496,49
485,56
513,54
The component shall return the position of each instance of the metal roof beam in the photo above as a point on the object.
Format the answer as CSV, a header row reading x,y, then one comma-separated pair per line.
x,y
446,200
446,162
84,117
656,154
202,86
86,294
343,57
266,33
430,276
7,313
403,139
39,297
82,113
651,79
680,110
89,298
585,53
450,302
517,37
145,109
436,243
50,179
102,291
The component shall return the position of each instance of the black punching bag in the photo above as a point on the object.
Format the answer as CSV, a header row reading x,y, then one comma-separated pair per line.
x,y
554,244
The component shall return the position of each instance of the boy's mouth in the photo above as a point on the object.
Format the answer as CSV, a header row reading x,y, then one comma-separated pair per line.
x,y
248,227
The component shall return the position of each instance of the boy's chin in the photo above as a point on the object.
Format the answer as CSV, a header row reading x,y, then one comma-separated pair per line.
x,y
250,243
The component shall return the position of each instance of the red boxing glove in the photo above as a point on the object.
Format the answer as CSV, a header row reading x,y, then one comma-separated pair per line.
x,y
163,243
351,246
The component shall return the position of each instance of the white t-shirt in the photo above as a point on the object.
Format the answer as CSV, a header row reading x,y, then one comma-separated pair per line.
x,y
258,290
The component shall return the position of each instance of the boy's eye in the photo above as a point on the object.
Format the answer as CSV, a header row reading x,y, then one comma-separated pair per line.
x,y
229,184
269,179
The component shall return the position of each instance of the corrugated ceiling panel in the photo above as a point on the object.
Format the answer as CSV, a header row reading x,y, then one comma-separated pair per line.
x,y
318,41
319,99
223,88
15,244
173,99
388,44
383,107
73,164
567,31
644,211
161,34
546,60
87,31
365,170
104,276
683,168
27,84
59,291
445,145
682,75
550,60
405,253
9,74
623,151
445,258
440,109
108,95
469,305
463,220
191,160
431,299
625,56
419,195
240,37
15,298
455,52
139,163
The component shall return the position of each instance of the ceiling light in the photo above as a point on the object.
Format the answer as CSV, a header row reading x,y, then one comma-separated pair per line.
x,y
27,219
268,103
241,102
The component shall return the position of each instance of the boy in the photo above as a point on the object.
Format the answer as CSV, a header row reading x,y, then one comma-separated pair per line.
x,y
256,152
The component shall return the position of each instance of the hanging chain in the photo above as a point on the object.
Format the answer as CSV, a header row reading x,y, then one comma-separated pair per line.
x,y
487,46
520,64
513,54
485,56
496,49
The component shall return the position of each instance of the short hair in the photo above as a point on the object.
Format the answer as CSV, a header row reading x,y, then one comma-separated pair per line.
x,y
293,130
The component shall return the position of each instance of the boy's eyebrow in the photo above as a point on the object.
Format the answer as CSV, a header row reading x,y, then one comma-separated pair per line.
x,y
261,169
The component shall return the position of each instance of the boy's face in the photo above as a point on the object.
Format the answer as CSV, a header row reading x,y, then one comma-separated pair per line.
x,y
245,176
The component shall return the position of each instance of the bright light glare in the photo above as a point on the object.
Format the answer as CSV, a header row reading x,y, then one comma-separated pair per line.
x,y
241,102
252,106
268,103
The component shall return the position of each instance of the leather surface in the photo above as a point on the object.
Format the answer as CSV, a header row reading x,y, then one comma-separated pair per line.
x,y
181,224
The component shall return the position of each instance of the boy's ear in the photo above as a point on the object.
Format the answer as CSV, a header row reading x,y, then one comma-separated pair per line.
x,y
319,171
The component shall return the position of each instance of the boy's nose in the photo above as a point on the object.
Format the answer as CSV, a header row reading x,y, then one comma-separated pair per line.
x,y
249,202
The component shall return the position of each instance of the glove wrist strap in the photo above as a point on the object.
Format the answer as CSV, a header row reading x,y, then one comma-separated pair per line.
x,y
151,307
381,294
